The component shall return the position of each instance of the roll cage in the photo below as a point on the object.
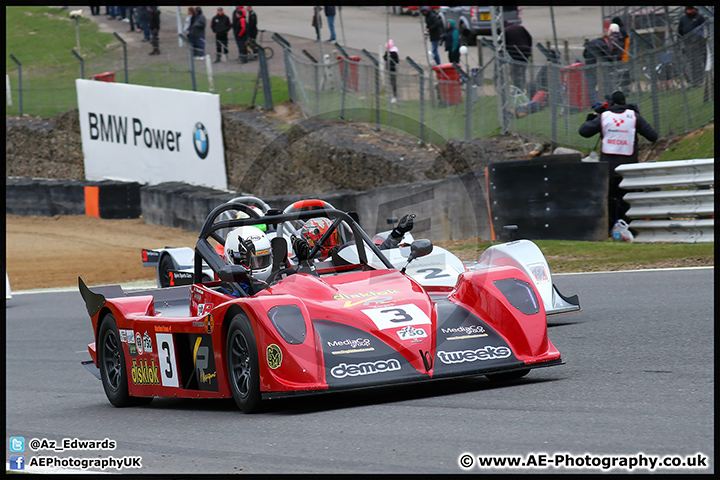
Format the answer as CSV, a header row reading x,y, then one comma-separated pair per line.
x,y
214,223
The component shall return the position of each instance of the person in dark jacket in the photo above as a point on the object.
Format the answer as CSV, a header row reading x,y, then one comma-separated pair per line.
x,y
618,126
251,23
434,30
330,14
239,25
690,29
596,51
154,23
143,17
392,58
624,37
220,25
196,34
451,38
518,43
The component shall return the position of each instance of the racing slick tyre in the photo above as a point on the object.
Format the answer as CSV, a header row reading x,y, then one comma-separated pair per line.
x,y
506,376
242,364
113,371
166,264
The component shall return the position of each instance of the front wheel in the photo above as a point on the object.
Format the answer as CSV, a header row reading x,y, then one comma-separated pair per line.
x,y
242,364
113,371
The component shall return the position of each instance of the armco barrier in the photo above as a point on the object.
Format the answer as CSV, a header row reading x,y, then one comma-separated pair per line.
x,y
554,197
683,215
48,197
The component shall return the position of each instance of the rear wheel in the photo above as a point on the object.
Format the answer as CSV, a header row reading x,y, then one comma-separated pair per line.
x,y
506,376
113,371
268,52
166,265
242,364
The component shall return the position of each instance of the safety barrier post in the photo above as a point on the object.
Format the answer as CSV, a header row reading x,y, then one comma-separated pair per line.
x,y
124,45
20,92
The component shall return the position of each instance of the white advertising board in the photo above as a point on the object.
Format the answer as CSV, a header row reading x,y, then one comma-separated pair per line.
x,y
151,135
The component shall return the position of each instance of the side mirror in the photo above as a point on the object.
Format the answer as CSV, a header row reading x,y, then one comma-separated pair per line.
x,y
233,273
419,248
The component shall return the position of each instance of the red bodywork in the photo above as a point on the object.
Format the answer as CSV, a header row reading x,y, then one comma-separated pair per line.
x,y
364,303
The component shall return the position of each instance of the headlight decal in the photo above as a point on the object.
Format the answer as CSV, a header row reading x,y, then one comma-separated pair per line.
x,y
289,322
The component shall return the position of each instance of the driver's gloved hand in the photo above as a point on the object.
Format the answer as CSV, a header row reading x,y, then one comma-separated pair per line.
x,y
405,224
301,247
246,249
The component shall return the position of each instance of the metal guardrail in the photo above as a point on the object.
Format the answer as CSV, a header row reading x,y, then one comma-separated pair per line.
x,y
675,214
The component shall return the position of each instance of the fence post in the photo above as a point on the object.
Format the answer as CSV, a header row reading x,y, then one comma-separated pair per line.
x,y
377,87
124,45
265,74
289,68
191,60
20,92
346,74
422,96
468,119
82,63
554,97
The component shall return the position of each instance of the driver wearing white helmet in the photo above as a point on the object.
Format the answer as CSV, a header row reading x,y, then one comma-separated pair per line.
x,y
248,246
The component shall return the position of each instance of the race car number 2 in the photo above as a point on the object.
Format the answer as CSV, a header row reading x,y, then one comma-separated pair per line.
x,y
397,316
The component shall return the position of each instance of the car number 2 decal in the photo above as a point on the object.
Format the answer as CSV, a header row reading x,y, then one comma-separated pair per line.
x,y
432,273
397,316
166,357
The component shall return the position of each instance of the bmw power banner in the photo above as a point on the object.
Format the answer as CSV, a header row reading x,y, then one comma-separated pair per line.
x,y
151,135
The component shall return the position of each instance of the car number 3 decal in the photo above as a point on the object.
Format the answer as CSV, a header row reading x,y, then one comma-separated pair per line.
x,y
166,354
397,316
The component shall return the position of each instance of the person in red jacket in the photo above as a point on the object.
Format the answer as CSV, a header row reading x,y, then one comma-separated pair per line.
x,y
240,31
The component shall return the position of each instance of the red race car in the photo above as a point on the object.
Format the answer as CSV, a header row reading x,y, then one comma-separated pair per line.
x,y
333,319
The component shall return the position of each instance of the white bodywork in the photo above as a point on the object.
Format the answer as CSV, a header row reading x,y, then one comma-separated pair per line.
x,y
526,256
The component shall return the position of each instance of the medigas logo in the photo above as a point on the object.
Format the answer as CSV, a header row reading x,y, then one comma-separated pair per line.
x,y
201,141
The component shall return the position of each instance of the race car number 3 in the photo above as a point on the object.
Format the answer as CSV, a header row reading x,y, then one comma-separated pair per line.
x,y
397,316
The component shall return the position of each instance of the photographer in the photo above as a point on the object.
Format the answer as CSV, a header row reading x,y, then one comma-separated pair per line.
x,y
618,124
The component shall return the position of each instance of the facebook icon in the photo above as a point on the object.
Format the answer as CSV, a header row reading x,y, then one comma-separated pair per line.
x,y
17,462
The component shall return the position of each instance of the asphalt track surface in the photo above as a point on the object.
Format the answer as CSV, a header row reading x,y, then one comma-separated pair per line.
x,y
638,379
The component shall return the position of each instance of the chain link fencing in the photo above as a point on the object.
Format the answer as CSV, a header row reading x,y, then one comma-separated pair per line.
x,y
45,85
672,84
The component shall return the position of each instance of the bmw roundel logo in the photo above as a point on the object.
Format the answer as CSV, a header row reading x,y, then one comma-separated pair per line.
x,y
201,140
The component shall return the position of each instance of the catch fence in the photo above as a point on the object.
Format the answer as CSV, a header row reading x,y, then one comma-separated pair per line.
x,y
671,83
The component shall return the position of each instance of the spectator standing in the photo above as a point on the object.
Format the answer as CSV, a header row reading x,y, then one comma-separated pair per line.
x,y
618,126
434,30
251,23
330,14
615,43
317,22
131,18
154,15
95,9
595,51
625,37
690,29
518,43
391,60
220,25
239,25
197,33
143,16
452,42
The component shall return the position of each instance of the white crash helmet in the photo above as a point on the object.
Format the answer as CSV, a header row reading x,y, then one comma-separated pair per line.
x,y
261,261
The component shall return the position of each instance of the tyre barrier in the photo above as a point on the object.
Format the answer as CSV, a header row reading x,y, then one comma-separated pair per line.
x,y
553,197
48,197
